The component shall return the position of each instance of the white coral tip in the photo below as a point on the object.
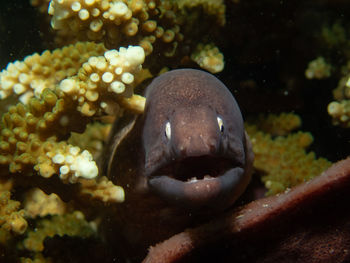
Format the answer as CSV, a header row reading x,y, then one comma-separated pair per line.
x,y
85,166
67,85
118,194
127,78
117,87
135,55
58,158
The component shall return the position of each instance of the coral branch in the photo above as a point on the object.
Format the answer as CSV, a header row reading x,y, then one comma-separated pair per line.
x,y
283,159
11,218
31,134
135,103
37,72
103,79
73,224
208,57
102,189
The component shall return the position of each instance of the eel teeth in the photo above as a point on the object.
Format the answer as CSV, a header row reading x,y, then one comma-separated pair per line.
x,y
195,179
192,180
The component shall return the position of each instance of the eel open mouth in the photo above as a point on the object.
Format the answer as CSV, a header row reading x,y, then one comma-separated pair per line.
x,y
191,169
196,181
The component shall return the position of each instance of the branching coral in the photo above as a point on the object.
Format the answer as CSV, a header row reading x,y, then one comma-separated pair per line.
x,y
318,69
11,217
60,92
102,80
28,139
340,109
38,204
31,133
115,23
166,27
73,224
102,189
37,258
281,124
92,139
334,35
208,57
214,8
284,159
335,38
37,72
340,112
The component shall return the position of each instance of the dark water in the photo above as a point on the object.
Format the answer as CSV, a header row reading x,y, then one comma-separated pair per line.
x,y
20,33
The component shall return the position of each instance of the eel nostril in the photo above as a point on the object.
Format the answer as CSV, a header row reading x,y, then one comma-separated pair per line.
x,y
212,145
182,150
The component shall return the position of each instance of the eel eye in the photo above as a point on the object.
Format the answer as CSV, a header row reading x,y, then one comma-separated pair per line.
x,y
221,124
168,130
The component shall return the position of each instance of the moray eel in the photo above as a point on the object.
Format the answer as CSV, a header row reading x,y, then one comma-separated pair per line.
x,y
186,158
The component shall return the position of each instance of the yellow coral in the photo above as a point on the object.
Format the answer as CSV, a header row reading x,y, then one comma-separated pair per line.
x,y
283,160
103,79
114,23
136,103
29,138
334,35
37,72
102,189
318,69
11,218
152,24
97,19
6,184
31,133
92,139
37,258
343,88
73,224
37,203
215,8
278,124
339,110
209,58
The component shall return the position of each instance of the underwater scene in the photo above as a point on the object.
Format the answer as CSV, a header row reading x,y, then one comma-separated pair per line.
x,y
174,131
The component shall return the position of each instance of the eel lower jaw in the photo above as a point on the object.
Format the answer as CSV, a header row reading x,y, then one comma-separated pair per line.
x,y
188,186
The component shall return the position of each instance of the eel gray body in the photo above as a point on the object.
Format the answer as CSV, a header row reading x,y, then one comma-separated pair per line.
x,y
184,160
